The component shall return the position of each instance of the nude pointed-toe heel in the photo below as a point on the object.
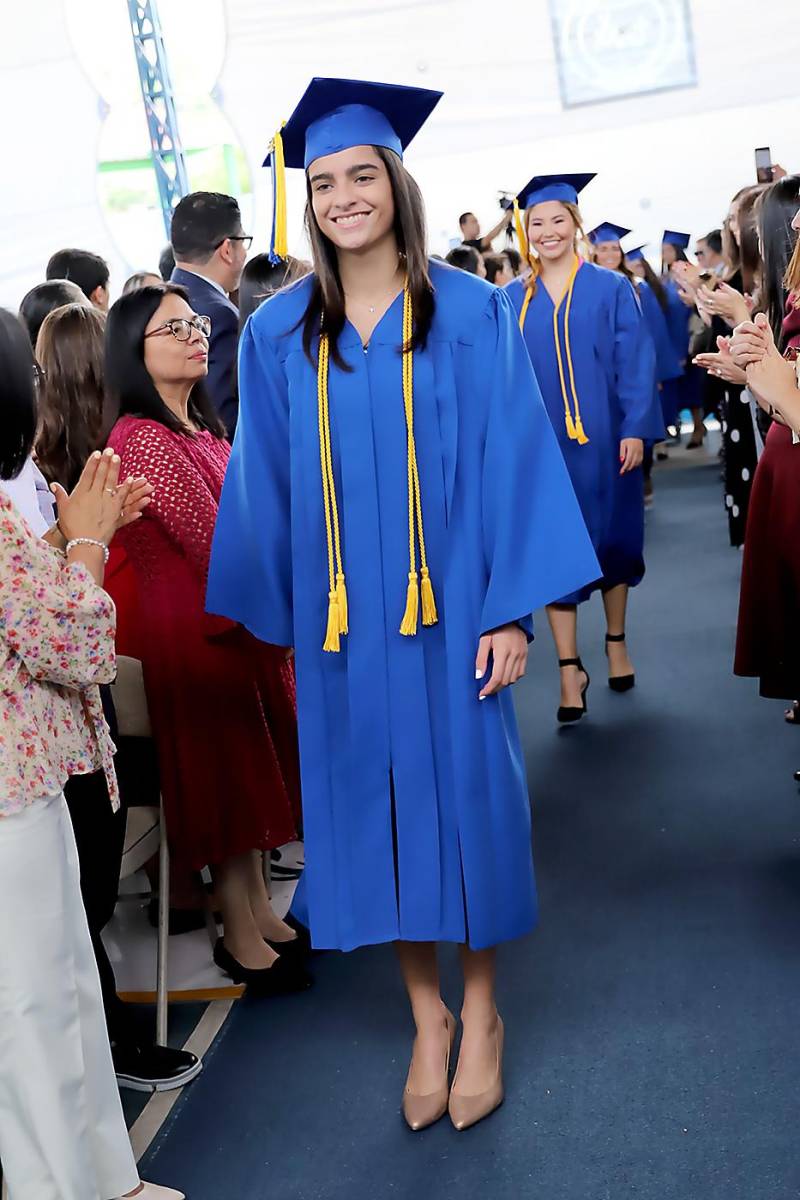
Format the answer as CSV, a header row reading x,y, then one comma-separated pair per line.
x,y
422,1111
468,1110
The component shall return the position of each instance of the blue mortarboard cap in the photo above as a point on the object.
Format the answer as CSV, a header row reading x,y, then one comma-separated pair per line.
x,y
335,114
553,187
607,232
676,239
636,253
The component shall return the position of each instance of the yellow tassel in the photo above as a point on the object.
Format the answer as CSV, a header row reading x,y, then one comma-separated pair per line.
x,y
408,627
280,246
521,237
429,613
331,644
341,599
572,432
580,433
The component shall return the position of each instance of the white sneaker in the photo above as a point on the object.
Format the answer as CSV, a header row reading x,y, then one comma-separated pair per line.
x,y
154,1191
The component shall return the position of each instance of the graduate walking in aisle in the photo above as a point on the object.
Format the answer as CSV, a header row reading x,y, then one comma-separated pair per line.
x,y
686,392
595,364
388,513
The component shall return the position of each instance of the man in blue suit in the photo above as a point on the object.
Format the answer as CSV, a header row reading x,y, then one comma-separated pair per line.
x,y
210,250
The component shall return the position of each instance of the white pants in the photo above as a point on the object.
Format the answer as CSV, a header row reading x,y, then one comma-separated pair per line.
x,y
62,1133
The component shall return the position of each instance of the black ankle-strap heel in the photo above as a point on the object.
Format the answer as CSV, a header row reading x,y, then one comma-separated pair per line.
x,y
567,714
619,683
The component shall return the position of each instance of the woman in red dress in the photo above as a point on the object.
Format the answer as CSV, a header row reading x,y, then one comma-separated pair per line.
x,y
222,704
767,644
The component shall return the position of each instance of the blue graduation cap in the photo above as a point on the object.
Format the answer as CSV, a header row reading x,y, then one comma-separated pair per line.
x,y
636,253
334,115
671,238
607,232
552,187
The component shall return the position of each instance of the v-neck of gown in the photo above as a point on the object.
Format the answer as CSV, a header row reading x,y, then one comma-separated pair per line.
x,y
564,290
378,334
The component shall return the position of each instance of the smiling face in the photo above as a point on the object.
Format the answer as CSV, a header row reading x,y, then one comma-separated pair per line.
x,y
636,265
608,254
551,230
168,360
351,195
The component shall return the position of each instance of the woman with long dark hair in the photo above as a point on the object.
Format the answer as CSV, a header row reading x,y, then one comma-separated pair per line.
x,y
221,705
388,512
262,278
595,363
69,350
766,643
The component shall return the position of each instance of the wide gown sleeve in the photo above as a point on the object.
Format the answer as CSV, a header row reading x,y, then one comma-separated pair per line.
x,y
667,363
635,369
536,544
250,575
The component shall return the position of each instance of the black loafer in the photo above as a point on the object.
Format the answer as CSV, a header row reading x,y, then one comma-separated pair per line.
x,y
152,1068
284,976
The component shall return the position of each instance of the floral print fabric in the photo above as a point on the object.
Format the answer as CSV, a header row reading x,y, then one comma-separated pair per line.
x,y
56,645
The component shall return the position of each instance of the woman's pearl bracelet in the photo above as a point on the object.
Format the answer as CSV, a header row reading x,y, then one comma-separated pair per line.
x,y
88,542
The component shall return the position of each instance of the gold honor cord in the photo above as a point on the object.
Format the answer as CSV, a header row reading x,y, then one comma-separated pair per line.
x,y
575,430
337,590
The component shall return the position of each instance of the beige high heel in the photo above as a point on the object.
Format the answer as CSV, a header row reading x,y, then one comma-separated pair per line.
x,y
422,1111
468,1110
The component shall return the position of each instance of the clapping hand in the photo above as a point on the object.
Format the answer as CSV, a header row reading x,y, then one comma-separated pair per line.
x,y
751,341
721,364
724,301
98,505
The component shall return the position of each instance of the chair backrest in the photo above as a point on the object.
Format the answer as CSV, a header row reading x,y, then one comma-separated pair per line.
x,y
130,699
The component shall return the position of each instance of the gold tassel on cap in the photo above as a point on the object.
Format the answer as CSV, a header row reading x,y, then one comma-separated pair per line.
x,y
419,592
279,248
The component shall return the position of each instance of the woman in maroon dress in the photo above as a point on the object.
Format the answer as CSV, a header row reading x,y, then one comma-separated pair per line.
x,y
222,704
767,644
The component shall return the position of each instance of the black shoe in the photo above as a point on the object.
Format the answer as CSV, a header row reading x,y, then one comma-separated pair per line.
x,y
152,1068
567,714
619,683
279,871
283,977
299,947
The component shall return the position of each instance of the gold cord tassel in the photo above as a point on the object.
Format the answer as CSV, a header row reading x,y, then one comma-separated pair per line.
x,y
429,613
331,643
337,591
574,425
408,626
341,600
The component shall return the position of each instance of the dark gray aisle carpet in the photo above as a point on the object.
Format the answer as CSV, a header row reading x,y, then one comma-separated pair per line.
x,y
652,1019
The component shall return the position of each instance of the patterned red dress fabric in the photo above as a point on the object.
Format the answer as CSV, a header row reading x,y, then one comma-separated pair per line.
x,y
767,643
222,704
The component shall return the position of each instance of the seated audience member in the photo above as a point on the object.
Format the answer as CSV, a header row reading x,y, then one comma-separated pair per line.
x,y
71,394
262,278
498,269
62,1131
514,260
42,299
140,279
471,230
467,258
221,703
88,270
166,263
210,249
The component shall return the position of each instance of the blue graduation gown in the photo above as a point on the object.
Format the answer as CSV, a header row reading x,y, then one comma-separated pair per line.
x,y
668,365
687,390
614,363
416,813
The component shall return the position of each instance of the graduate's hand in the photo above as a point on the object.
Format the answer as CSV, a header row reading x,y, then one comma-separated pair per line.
x,y
631,453
508,647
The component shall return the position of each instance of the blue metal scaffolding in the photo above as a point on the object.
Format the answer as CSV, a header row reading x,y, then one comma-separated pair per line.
x,y
166,149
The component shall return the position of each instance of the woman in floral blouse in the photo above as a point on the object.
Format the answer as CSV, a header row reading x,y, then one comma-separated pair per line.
x,y
62,1132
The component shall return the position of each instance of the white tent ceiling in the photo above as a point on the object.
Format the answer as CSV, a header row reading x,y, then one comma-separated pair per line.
x,y
672,157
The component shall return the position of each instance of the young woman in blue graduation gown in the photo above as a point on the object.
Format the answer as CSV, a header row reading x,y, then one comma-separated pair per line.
x,y
388,513
594,361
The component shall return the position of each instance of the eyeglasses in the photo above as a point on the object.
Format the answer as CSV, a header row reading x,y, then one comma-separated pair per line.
x,y
246,238
38,374
181,328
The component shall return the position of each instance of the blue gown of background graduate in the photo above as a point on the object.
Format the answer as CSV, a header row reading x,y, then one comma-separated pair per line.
x,y
668,365
684,392
416,811
614,363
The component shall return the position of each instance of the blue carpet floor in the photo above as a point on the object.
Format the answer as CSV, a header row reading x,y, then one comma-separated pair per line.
x,y
651,1019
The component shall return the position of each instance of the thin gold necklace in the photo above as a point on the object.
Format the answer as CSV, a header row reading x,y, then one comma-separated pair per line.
x,y
373,308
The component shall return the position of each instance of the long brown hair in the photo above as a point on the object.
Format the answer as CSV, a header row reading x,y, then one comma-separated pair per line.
x,y
582,244
409,228
69,350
